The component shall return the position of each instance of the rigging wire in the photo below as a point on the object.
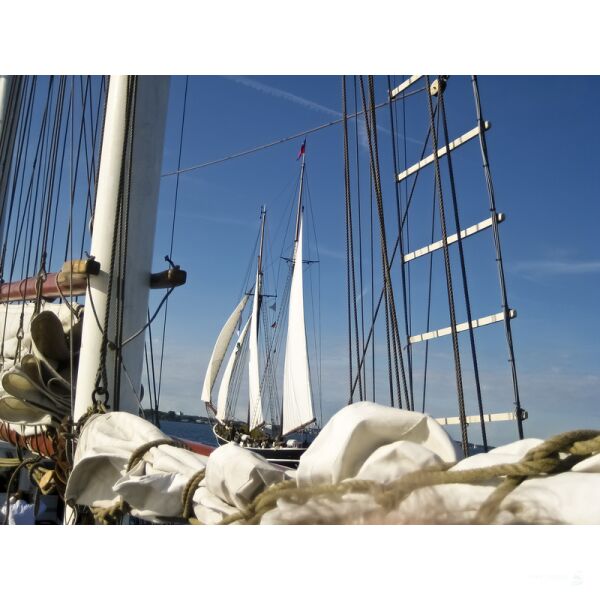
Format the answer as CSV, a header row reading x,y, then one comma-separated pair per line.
x,y
496,233
164,330
289,138
463,269
449,287
350,271
410,403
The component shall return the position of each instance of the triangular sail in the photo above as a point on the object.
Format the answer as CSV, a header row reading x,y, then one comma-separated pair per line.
x,y
220,349
297,398
255,402
222,397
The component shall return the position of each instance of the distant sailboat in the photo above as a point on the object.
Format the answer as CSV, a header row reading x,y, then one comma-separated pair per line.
x,y
297,404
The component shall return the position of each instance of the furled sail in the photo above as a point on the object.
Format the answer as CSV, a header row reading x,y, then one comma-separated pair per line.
x,y
220,349
226,380
297,398
255,401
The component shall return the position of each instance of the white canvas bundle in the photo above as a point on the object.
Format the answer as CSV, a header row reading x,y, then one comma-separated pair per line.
x,y
153,488
356,431
363,441
236,476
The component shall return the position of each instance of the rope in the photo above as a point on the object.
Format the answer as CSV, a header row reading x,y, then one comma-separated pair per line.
x,y
449,288
113,515
289,138
463,269
496,233
138,453
351,279
544,459
410,402
188,494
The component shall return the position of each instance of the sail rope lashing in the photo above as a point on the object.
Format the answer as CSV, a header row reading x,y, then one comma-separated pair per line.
x,y
463,269
558,454
370,336
498,250
410,402
449,287
350,270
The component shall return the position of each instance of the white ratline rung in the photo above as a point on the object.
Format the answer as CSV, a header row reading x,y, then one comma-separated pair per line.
x,y
404,85
413,339
451,239
459,141
489,418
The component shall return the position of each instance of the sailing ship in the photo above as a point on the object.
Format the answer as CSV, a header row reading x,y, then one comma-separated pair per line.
x,y
296,411
65,377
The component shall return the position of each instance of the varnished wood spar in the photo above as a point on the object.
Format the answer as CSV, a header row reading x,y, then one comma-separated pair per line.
x,y
71,280
40,444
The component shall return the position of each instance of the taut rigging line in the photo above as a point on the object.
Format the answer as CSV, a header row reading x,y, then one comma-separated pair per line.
x,y
288,138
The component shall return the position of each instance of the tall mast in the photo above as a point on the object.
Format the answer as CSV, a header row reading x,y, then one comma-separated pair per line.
x,y
299,212
255,414
296,410
128,184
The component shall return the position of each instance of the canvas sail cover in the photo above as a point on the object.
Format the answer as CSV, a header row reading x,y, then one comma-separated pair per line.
x,y
255,401
231,364
297,398
220,350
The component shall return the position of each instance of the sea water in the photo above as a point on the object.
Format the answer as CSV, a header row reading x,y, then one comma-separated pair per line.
x,y
195,432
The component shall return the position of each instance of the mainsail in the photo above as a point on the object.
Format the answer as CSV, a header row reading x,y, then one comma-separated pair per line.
x,y
220,350
226,380
297,399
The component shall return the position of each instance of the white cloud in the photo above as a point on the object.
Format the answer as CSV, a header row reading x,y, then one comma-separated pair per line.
x,y
557,267
277,93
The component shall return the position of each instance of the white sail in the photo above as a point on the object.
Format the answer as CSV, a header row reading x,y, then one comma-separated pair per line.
x,y
297,398
220,349
226,380
255,401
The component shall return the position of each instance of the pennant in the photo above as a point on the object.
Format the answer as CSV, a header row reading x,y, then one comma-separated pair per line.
x,y
302,148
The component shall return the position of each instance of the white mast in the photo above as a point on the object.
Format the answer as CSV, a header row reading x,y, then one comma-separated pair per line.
x,y
219,351
255,416
144,149
297,410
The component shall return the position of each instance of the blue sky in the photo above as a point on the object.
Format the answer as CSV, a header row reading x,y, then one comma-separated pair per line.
x,y
543,157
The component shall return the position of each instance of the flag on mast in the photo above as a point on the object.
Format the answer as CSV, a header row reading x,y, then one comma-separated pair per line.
x,y
302,148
